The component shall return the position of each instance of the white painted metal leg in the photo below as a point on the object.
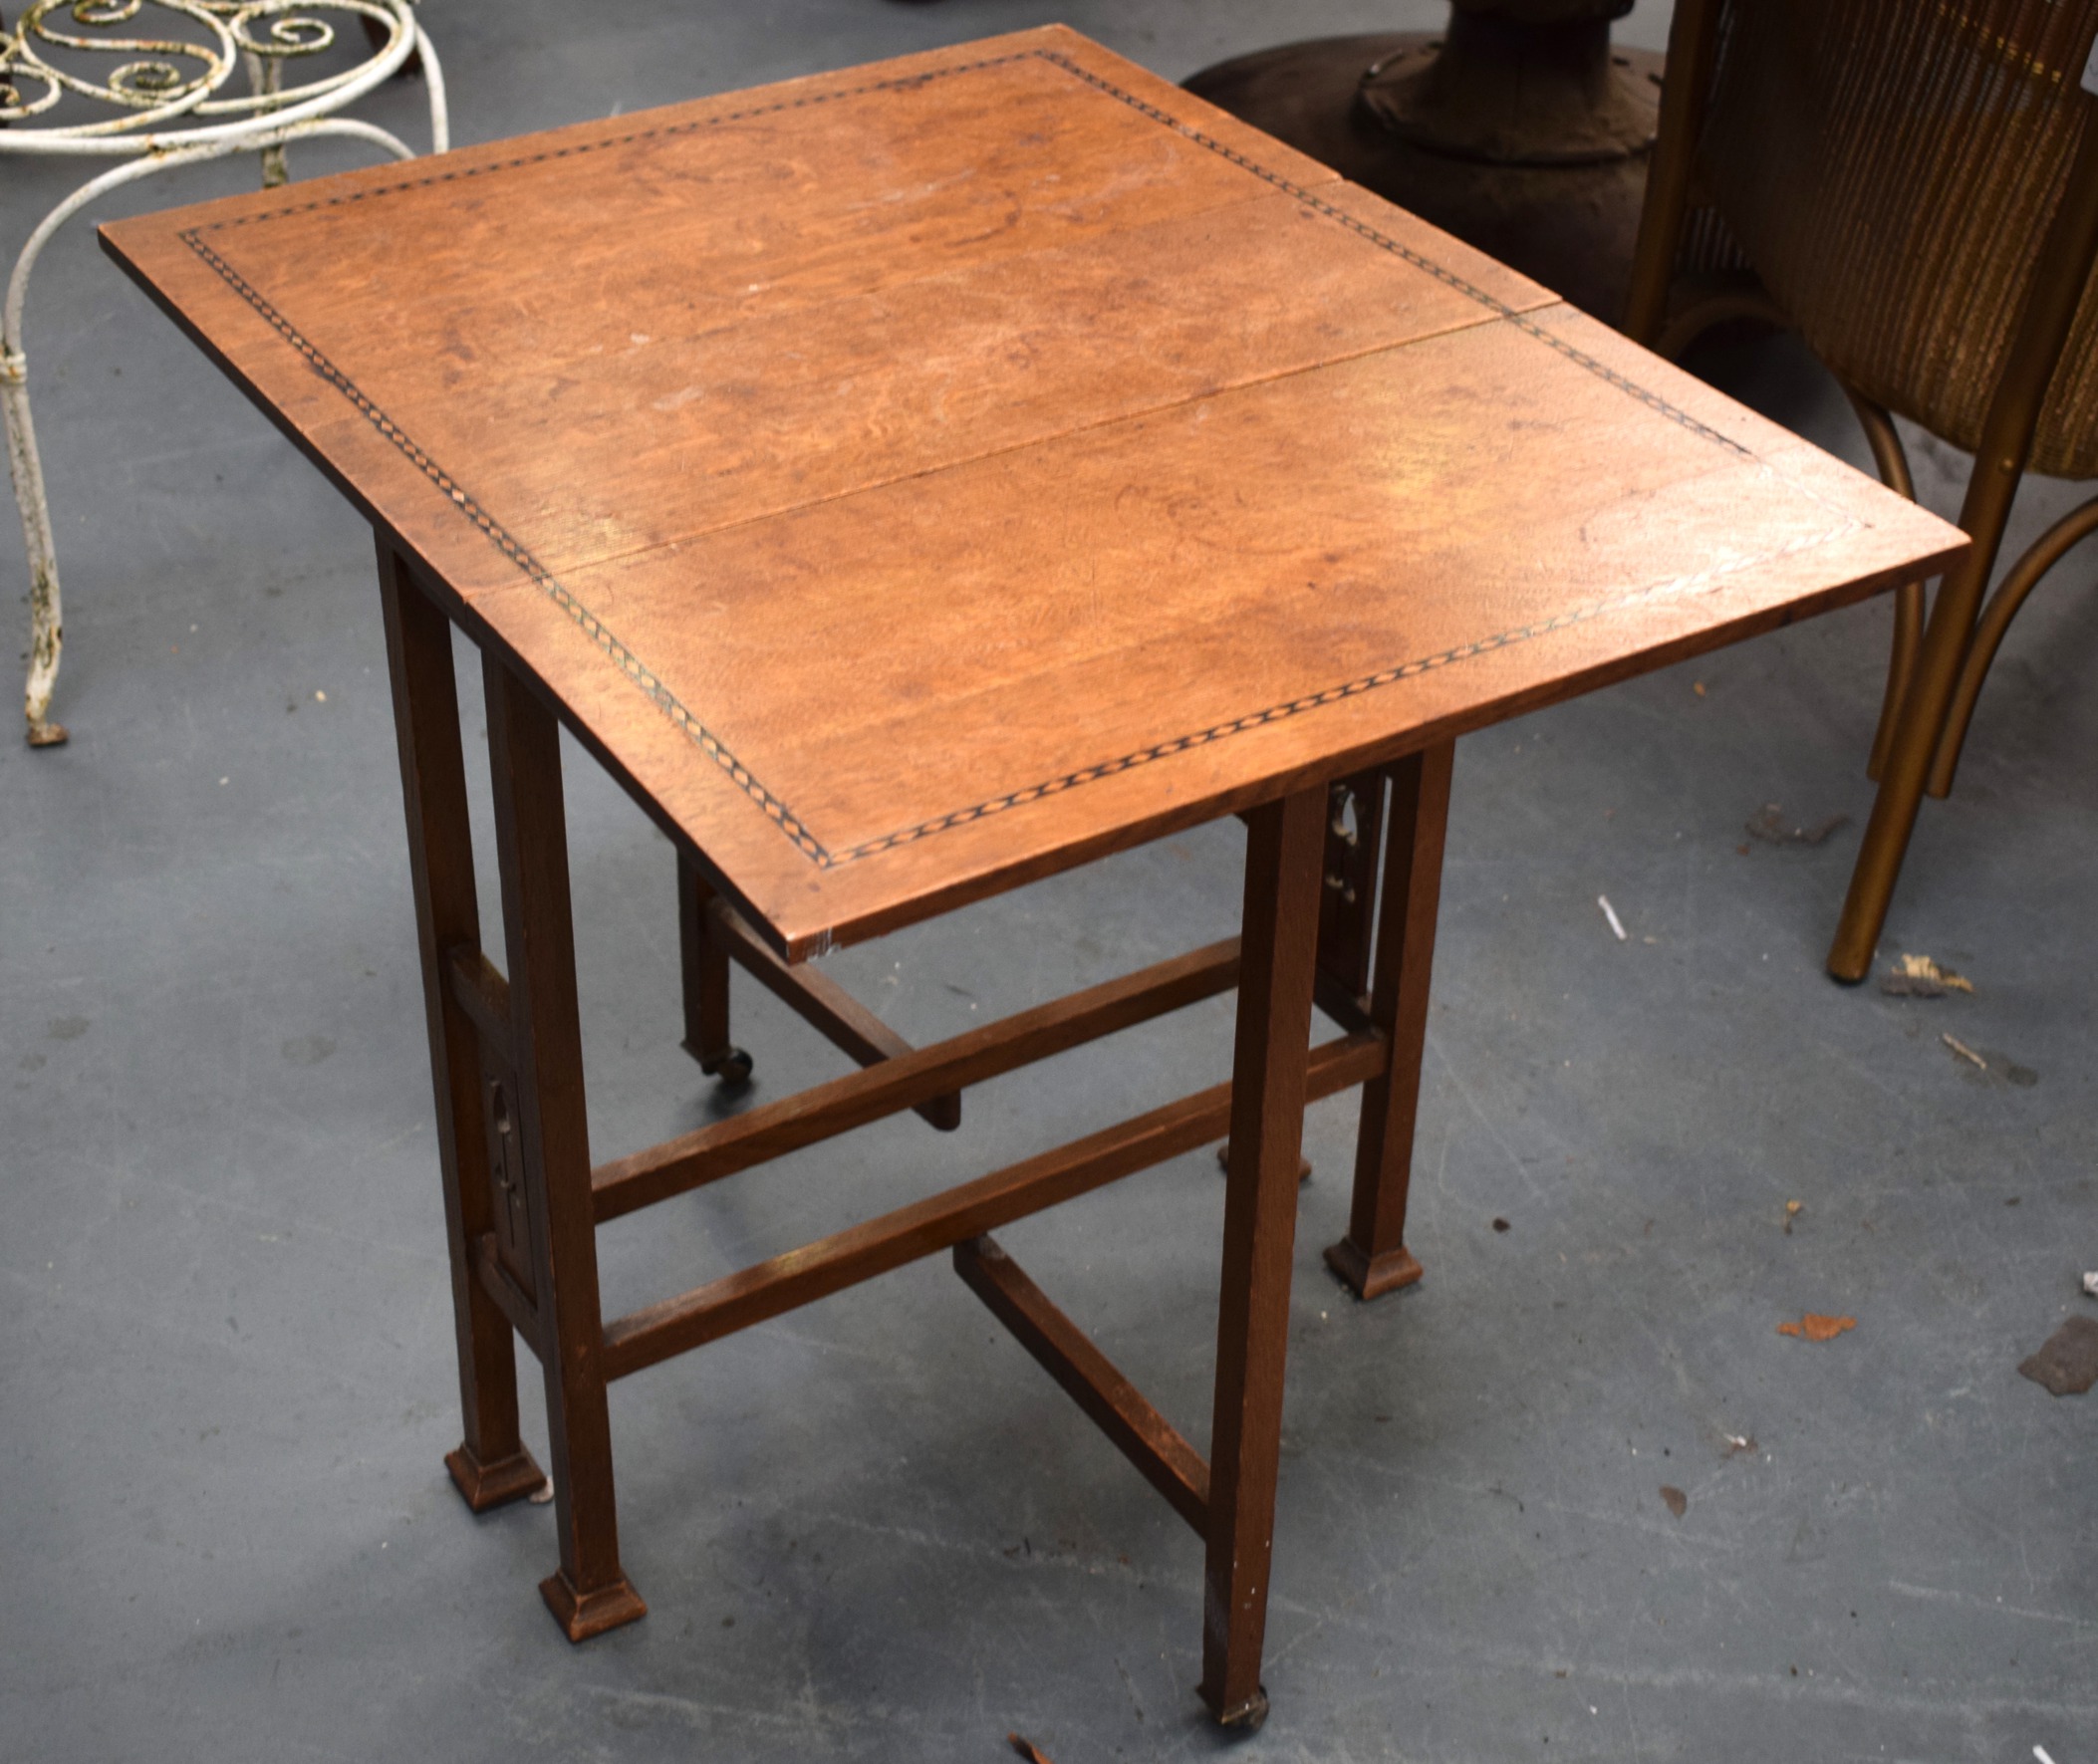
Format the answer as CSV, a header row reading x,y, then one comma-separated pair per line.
x,y
266,80
194,118
439,105
46,607
46,612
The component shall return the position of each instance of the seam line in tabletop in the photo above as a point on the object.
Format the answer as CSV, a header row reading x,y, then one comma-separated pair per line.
x,y
1178,400
1385,242
652,687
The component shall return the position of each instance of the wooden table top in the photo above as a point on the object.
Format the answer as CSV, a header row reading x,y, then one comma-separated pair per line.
x,y
920,478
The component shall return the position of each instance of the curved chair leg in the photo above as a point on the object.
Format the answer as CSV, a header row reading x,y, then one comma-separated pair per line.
x,y
46,624
2066,257
1891,460
1692,44
1914,739
1716,309
2018,581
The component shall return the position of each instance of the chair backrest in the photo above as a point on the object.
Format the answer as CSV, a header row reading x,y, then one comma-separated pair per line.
x,y
1889,167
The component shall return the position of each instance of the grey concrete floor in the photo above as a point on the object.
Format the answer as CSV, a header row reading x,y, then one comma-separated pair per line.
x,y
875,1530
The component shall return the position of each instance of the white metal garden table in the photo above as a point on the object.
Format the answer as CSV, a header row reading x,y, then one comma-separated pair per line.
x,y
151,84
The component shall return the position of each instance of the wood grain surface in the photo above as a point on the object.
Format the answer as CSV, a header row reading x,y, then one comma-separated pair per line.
x,y
913,480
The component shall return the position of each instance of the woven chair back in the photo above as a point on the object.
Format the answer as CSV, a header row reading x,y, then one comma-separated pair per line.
x,y
1889,167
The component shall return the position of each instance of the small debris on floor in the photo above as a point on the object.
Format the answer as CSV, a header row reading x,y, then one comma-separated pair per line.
x,y
2067,1363
1610,912
1965,1052
1768,825
1992,1065
1698,687
2090,1284
1028,1749
1919,977
1739,1443
1793,1208
1502,1225
543,1494
1675,1500
1814,1327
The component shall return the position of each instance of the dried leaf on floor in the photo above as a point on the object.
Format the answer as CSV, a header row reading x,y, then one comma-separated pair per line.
x,y
1028,1749
1769,825
1675,1500
2067,1363
1814,1327
1793,1208
543,1494
1919,977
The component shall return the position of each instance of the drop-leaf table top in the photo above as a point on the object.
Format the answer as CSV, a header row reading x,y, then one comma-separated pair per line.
x,y
916,480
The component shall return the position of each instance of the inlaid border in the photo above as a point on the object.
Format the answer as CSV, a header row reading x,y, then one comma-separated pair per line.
x,y
707,739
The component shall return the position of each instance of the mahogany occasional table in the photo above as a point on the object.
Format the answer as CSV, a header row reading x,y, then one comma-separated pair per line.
x,y
908,483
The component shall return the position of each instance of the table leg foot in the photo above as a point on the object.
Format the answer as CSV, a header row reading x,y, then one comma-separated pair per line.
x,y
1371,1277
703,962
485,1487
1373,1258
583,1615
731,1064
1246,1717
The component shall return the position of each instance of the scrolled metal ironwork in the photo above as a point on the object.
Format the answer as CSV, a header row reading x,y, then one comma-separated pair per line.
x,y
166,103
163,86
299,33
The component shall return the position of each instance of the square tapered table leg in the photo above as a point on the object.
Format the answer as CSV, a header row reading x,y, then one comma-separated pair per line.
x,y
1373,1258
490,1465
1278,946
590,1593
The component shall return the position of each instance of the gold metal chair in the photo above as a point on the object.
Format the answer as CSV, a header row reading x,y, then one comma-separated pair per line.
x,y
1913,185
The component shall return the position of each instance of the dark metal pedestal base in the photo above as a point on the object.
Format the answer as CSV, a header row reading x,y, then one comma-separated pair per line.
x,y
1571,227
